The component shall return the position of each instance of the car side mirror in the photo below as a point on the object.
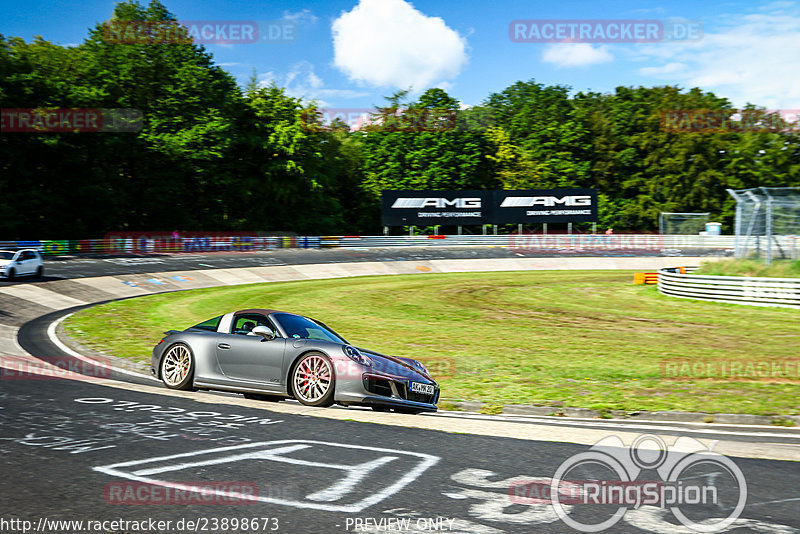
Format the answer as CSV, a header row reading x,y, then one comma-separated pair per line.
x,y
264,332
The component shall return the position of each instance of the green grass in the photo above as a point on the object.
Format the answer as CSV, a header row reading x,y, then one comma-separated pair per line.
x,y
778,268
586,339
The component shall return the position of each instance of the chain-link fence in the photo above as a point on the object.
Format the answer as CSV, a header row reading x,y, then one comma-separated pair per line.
x,y
682,223
767,222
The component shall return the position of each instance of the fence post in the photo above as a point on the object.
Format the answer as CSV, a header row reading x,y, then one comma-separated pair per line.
x,y
768,229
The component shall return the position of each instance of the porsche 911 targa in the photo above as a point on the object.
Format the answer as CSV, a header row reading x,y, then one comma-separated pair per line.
x,y
274,355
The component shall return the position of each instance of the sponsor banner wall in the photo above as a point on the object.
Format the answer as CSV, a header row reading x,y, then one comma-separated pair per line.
x,y
532,206
471,207
431,208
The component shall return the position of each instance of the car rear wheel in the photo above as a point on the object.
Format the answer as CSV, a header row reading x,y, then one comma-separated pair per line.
x,y
313,380
177,367
39,271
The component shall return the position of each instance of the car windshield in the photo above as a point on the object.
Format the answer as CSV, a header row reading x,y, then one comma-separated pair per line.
x,y
6,255
299,327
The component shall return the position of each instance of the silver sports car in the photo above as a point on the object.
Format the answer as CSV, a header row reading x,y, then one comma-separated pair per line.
x,y
272,355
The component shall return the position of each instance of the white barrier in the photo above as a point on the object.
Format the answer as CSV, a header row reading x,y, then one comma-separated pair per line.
x,y
780,292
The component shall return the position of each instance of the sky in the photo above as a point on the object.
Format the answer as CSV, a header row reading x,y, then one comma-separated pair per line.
x,y
351,54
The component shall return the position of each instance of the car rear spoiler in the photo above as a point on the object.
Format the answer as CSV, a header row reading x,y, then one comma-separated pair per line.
x,y
170,332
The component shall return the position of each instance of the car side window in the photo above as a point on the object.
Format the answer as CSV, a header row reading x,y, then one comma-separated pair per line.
x,y
210,325
244,324
28,255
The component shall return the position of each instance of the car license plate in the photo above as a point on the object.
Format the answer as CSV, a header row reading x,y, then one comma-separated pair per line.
x,y
425,389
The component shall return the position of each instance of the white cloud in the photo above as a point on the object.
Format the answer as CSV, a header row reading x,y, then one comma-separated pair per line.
x,y
750,58
304,15
649,11
669,68
390,43
302,82
302,75
576,54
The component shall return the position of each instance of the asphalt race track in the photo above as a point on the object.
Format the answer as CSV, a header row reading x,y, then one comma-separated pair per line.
x,y
127,452
133,264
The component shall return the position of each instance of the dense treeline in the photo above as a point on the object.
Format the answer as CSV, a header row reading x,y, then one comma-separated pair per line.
x,y
215,156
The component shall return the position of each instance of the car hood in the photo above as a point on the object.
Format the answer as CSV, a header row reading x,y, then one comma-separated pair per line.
x,y
394,365
3,263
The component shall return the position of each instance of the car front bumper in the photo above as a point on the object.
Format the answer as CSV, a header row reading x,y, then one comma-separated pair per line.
x,y
384,390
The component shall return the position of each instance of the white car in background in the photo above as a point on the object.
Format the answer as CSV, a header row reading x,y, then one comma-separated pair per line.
x,y
25,262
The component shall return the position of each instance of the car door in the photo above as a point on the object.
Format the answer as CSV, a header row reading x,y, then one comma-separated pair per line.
x,y
26,263
249,358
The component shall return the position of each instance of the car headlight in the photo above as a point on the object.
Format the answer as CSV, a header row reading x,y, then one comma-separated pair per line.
x,y
356,356
421,367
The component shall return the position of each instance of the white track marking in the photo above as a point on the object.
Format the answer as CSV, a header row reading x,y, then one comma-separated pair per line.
x,y
51,333
355,472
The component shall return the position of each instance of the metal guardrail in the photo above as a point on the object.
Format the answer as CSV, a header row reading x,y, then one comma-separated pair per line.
x,y
653,242
165,245
779,292
656,244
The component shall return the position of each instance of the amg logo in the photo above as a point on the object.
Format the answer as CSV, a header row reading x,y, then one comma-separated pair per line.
x,y
528,202
416,203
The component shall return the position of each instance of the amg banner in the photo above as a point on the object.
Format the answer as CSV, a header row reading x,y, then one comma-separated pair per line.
x,y
533,206
462,208
431,208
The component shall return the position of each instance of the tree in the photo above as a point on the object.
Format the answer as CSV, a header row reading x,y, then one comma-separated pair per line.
x,y
404,152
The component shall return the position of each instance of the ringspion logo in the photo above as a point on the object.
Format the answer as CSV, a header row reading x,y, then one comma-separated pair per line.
x,y
705,491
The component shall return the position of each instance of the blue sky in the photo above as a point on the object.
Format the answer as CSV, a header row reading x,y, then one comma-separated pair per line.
x,y
351,53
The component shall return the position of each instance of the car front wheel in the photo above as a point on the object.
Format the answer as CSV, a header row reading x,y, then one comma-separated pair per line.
x,y
177,367
313,380
11,274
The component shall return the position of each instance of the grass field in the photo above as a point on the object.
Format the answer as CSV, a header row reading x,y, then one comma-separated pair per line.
x,y
731,267
586,339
